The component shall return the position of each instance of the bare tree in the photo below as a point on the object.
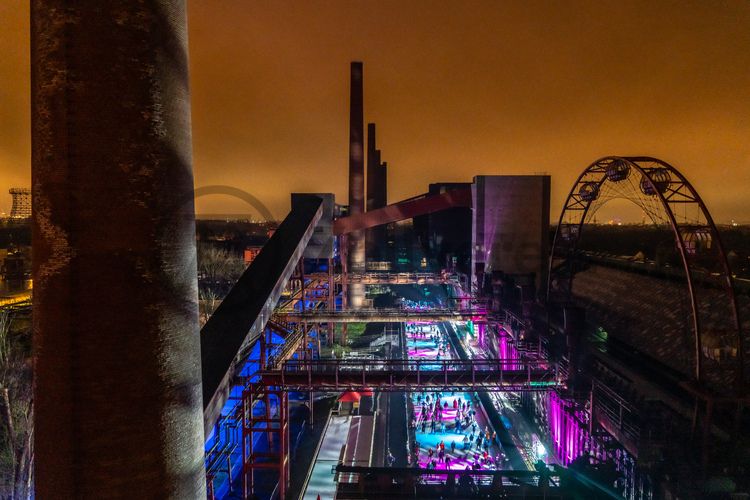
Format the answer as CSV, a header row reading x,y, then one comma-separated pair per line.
x,y
216,264
218,270
16,410
208,301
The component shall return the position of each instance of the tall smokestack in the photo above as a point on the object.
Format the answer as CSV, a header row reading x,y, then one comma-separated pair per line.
x,y
356,182
373,163
356,142
117,369
373,236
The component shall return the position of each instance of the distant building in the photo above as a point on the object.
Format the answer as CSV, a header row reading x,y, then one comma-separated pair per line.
x,y
21,208
510,221
13,266
250,253
445,236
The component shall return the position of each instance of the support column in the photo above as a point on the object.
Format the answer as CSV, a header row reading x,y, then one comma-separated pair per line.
x,y
301,272
344,288
263,361
117,381
275,456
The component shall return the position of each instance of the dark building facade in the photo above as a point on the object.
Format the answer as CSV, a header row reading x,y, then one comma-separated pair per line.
x,y
445,236
377,196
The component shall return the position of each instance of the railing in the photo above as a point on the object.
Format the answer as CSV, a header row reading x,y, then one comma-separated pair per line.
x,y
396,374
16,302
367,314
324,365
401,277
287,349
506,480
218,458
619,412
387,277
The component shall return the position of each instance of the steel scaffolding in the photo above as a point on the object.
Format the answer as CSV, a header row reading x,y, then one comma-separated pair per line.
x,y
265,411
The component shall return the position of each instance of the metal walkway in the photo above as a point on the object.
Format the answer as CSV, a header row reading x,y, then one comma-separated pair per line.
x,y
387,278
320,482
382,315
395,482
400,375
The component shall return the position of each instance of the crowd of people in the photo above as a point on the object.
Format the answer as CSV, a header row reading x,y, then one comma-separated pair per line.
x,y
416,305
447,421
432,415
418,334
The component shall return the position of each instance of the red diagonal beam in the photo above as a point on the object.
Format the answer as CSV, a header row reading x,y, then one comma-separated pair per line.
x,y
404,210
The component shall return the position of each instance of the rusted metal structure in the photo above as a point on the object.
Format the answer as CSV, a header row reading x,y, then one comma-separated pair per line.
x,y
384,278
402,210
405,375
668,199
272,421
383,315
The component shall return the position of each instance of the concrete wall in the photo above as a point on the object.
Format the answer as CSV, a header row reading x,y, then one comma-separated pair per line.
x,y
653,314
510,224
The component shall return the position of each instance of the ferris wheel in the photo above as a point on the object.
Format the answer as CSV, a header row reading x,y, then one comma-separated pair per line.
x,y
668,200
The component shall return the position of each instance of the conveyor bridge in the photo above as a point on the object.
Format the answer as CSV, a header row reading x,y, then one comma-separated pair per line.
x,y
408,375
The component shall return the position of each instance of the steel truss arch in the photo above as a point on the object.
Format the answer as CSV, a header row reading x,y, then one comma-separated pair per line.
x,y
666,197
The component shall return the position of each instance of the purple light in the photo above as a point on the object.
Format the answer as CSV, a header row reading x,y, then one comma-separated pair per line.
x,y
565,429
508,351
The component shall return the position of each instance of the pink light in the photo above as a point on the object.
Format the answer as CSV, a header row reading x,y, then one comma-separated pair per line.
x,y
565,431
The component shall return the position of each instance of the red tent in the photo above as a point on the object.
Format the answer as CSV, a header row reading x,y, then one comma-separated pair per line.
x,y
350,397
353,396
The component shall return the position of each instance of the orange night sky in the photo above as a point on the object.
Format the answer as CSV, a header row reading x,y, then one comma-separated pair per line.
x,y
457,89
